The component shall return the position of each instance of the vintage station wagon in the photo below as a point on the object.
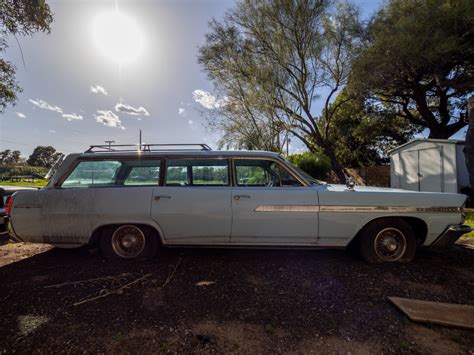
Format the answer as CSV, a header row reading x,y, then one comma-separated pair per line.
x,y
131,199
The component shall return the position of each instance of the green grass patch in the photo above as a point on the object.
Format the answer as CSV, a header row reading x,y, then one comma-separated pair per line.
x,y
470,221
37,183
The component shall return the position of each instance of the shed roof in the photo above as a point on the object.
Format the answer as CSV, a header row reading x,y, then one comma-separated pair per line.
x,y
444,141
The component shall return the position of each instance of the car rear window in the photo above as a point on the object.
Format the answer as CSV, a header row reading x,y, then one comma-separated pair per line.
x,y
108,173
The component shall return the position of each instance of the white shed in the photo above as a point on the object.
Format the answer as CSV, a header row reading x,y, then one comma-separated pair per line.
x,y
429,165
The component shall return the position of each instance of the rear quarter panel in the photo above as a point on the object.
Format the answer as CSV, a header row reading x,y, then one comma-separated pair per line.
x,y
338,227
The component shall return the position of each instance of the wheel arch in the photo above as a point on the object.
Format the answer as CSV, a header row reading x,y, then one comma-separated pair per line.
x,y
419,226
97,232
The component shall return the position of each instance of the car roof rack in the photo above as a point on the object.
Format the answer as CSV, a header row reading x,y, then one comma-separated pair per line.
x,y
145,147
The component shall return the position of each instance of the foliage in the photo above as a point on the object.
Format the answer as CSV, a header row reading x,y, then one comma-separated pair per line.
x,y
37,183
22,170
470,221
418,55
44,156
363,134
271,60
18,17
10,157
315,164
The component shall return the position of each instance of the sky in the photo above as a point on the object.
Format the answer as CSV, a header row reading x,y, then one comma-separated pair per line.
x,y
111,68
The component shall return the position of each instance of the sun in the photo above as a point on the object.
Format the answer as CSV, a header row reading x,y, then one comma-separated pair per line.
x,y
118,37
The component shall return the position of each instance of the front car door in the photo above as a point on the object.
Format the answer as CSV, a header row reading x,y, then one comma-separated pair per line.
x,y
270,205
194,205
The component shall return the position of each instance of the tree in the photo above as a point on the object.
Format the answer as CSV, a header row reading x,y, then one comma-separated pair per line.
x,y
315,164
419,56
18,17
43,156
9,157
271,60
363,134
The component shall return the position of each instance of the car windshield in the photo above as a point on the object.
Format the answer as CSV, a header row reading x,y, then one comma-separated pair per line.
x,y
308,177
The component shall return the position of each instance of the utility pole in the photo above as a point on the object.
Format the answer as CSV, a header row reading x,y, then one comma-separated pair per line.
x,y
140,139
109,143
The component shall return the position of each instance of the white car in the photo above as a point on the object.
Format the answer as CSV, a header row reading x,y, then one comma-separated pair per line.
x,y
129,201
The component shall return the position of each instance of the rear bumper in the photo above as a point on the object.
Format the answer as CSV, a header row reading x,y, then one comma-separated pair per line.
x,y
451,235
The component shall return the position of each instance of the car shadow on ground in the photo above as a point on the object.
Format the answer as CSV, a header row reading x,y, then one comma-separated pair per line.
x,y
229,300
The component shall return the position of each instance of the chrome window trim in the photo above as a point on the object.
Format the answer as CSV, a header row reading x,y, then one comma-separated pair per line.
x,y
165,157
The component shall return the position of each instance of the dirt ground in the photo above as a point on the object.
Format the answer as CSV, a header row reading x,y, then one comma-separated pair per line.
x,y
226,301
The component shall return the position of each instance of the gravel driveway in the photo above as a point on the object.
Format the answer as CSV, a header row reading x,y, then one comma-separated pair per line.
x,y
232,301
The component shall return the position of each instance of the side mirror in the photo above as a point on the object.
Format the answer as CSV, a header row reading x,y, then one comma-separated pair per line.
x,y
350,183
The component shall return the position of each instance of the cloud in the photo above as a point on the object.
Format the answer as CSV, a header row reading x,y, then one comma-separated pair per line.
x,y
72,116
182,111
190,122
97,89
207,100
20,115
52,131
130,110
46,106
108,118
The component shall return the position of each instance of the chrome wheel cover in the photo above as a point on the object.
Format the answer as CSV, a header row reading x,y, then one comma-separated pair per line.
x,y
390,244
128,241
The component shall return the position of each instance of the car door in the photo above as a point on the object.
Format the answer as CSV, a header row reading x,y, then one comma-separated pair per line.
x,y
271,206
194,204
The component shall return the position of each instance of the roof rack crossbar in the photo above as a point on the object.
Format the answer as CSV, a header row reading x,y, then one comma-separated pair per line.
x,y
144,147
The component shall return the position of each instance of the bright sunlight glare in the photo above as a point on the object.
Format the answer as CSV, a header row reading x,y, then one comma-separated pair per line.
x,y
118,37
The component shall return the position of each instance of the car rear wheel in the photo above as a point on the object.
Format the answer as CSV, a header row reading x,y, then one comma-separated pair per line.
x,y
388,240
128,241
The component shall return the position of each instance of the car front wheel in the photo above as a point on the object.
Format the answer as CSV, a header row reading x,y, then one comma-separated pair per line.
x,y
388,240
128,242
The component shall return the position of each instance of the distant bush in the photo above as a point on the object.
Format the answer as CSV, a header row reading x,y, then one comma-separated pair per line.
x,y
315,164
7,172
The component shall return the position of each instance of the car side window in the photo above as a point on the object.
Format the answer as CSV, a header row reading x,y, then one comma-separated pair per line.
x,y
141,172
197,172
264,173
93,174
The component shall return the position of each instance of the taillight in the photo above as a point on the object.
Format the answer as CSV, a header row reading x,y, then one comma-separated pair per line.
x,y
9,205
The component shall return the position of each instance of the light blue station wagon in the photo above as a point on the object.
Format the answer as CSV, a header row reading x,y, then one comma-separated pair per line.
x,y
131,199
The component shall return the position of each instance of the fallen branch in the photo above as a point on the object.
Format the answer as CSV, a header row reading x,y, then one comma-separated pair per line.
x,y
106,278
112,292
170,276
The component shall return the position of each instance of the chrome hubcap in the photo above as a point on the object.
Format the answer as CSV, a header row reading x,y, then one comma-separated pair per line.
x,y
128,241
390,244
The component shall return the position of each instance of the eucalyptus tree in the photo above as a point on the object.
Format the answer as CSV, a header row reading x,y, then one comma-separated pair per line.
x,y
419,56
18,17
274,60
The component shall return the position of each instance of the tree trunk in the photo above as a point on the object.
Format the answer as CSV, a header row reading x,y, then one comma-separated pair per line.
x,y
469,148
335,166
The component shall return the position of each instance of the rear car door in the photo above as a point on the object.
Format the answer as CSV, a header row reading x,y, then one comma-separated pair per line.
x,y
272,206
194,204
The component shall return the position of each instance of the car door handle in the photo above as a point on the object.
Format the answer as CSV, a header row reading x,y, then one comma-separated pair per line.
x,y
159,197
238,197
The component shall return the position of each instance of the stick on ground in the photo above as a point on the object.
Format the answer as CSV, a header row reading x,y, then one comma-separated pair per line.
x,y
112,292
